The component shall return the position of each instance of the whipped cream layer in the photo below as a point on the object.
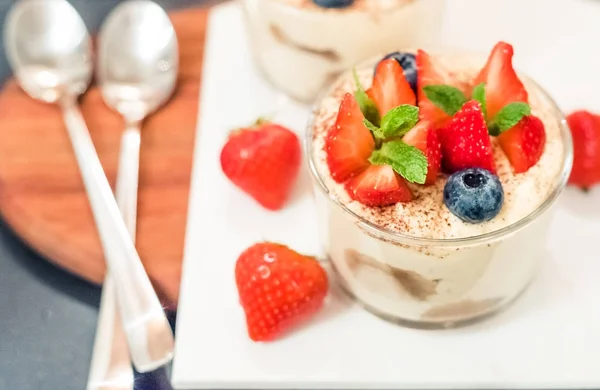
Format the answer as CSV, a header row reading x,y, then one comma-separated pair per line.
x,y
426,216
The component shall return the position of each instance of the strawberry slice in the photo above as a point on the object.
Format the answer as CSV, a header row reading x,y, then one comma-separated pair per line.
x,y
425,138
430,73
349,143
502,85
585,128
379,185
466,142
524,143
390,88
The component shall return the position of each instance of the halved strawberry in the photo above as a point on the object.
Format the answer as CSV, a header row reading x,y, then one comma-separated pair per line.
x,y
524,143
430,73
349,143
466,142
502,85
585,128
425,138
390,88
379,185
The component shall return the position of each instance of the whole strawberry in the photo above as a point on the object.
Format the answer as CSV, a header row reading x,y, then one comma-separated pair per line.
x,y
585,128
465,141
278,288
263,161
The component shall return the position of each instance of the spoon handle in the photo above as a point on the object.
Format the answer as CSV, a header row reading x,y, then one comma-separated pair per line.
x,y
111,363
148,332
128,174
110,367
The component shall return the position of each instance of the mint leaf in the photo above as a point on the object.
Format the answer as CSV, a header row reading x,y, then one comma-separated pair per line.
x,y
448,98
374,129
508,116
367,106
479,95
399,120
408,161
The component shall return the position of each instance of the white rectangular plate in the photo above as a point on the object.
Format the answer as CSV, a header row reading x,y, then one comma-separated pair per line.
x,y
550,338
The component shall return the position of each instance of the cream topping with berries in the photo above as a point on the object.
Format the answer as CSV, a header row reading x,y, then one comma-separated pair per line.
x,y
426,215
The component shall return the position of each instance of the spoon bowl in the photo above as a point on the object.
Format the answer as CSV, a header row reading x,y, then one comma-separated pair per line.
x,y
137,59
50,59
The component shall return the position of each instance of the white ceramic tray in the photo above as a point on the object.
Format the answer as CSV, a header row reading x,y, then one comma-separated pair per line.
x,y
550,338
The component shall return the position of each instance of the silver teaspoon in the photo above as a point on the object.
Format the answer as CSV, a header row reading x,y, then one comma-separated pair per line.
x,y
137,71
49,49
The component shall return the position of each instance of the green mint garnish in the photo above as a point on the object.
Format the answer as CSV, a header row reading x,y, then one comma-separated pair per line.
x,y
366,104
374,129
508,116
448,98
398,121
479,95
408,161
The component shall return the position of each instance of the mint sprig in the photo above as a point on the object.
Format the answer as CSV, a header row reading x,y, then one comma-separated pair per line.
x,y
408,161
479,95
374,129
507,117
446,97
397,122
366,104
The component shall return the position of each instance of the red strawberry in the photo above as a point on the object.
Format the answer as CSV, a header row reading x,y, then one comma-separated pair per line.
x,y
430,73
263,161
278,288
349,143
425,138
502,85
585,128
379,185
465,140
390,88
524,143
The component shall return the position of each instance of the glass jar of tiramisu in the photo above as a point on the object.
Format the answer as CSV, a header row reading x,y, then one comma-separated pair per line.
x,y
302,45
415,262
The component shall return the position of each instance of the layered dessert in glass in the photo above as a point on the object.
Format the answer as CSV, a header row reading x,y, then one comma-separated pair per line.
x,y
435,202
302,45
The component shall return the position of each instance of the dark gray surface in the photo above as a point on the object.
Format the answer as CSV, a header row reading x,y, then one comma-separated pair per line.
x,y
47,317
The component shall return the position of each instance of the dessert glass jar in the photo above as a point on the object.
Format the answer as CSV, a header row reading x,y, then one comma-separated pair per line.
x,y
301,47
434,282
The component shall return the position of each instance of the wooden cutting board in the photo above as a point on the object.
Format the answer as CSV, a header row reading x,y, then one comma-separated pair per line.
x,y
42,196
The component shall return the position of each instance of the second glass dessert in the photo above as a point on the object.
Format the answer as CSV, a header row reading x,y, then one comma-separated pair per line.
x,y
302,45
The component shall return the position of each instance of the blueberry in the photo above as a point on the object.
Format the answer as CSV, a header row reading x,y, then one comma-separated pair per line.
x,y
333,3
408,62
474,195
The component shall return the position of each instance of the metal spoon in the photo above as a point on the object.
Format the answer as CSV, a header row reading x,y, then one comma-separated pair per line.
x,y
137,71
49,49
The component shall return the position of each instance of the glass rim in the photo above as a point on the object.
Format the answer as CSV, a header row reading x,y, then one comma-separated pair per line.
x,y
401,238
293,8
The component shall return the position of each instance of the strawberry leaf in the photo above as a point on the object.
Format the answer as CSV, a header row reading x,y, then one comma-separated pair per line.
x,y
366,104
448,98
399,120
508,116
408,161
479,95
